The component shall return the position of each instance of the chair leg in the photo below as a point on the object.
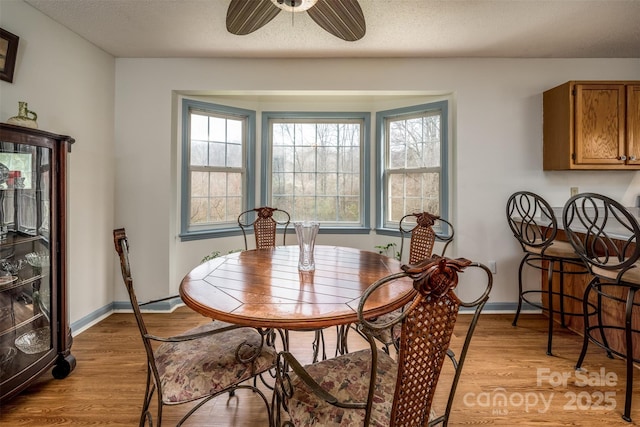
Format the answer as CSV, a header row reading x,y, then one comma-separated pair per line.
x,y
515,319
629,342
561,270
318,342
159,409
145,415
605,343
550,306
342,336
585,313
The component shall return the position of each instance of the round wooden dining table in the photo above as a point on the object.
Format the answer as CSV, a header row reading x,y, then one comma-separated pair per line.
x,y
263,287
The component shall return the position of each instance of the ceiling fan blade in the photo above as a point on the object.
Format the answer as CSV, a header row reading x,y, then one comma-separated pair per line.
x,y
246,16
342,18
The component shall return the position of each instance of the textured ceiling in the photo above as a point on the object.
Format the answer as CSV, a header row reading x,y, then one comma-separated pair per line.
x,y
395,28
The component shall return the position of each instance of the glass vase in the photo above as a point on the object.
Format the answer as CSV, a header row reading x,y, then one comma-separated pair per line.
x,y
306,232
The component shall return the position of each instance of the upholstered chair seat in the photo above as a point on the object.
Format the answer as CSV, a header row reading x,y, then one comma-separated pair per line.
x,y
190,370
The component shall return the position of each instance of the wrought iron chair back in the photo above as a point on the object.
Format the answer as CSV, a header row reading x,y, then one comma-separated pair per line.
x,y
535,227
388,392
200,364
421,228
264,225
532,221
605,235
595,225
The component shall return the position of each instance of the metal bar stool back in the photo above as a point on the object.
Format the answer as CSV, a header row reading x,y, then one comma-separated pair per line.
x,y
605,235
535,227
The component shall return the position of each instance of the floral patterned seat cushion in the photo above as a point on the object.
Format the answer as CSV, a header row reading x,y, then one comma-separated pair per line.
x,y
347,378
193,369
389,335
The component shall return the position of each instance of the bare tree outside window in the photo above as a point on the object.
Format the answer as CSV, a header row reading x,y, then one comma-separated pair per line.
x,y
316,169
216,167
413,164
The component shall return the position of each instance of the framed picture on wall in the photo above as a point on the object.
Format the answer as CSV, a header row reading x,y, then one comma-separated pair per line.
x,y
8,53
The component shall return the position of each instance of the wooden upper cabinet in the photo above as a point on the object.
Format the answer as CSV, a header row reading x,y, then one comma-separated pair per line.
x,y
592,125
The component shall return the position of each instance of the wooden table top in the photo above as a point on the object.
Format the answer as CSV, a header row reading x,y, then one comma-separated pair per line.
x,y
263,288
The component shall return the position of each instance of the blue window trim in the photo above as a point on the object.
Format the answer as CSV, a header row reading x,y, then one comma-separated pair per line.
x,y
250,163
381,116
265,179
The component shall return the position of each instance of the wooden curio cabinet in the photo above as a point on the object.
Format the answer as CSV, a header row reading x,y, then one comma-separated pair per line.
x,y
592,125
34,326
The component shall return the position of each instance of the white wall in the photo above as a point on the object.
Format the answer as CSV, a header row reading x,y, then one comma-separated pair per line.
x,y
497,144
69,83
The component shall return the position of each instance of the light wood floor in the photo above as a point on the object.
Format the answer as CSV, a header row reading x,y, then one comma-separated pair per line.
x,y
107,385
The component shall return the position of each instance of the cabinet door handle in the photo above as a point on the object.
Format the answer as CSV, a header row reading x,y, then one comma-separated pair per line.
x,y
622,158
632,158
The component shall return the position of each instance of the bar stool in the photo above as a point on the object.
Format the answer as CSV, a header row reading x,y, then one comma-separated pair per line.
x,y
605,235
535,226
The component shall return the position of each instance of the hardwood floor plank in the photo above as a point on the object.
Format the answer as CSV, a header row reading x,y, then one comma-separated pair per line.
x,y
107,386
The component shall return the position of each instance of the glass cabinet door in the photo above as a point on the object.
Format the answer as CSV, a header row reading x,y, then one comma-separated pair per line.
x,y
25,256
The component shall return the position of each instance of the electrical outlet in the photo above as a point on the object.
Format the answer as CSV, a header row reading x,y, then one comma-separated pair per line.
x,y
574,191
493,267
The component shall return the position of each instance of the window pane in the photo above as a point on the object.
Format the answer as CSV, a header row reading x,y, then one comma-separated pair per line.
x,y
198,153
349,208
282,184
218,184
305,184
304,208
327,159
326,184
218,129
217,209
234,131
215,196
282,159
412,166
199,127
349,184
305,159
199,184
198,210
234,155
216,161
305,134
315,169
234,185
327,209
284,202
216,154
349,159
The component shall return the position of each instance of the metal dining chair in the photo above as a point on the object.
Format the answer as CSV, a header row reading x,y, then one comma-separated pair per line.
x,y
200,364
422,230
606,237
363,388
535,227
264,222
